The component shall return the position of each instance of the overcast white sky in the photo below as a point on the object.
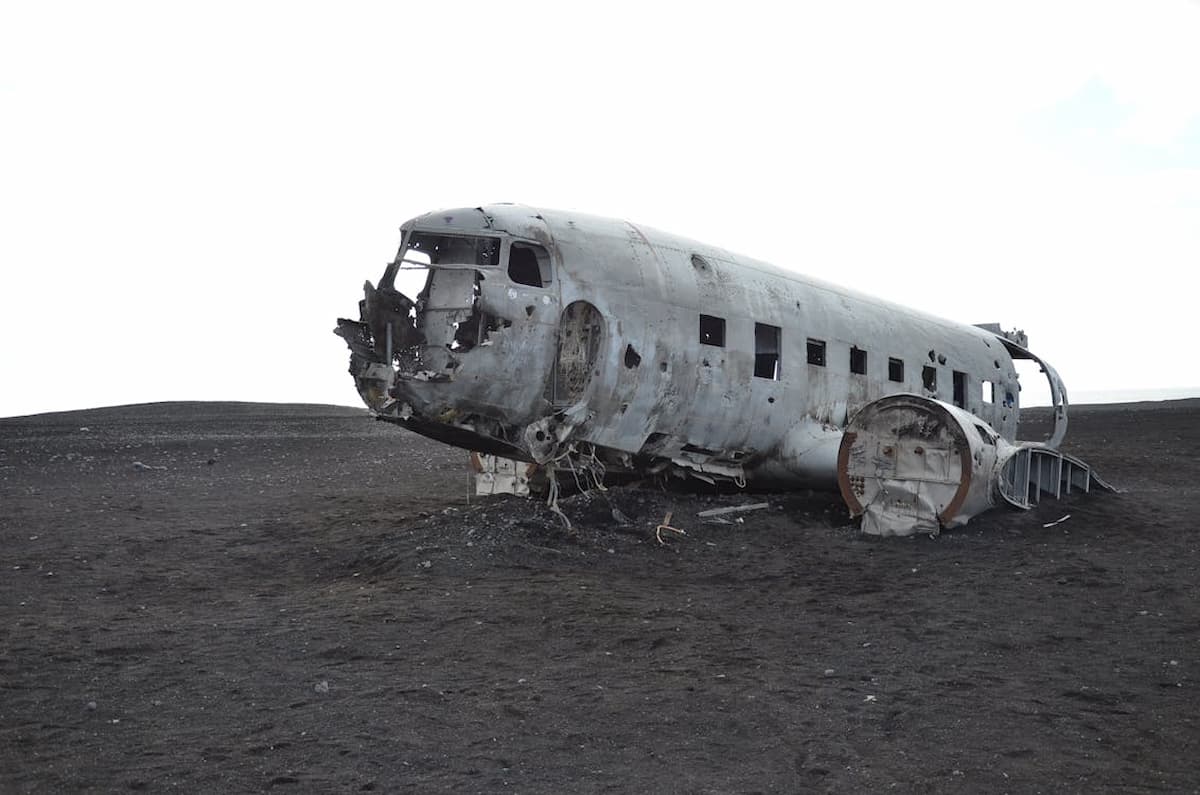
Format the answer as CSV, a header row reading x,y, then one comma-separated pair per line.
x,y
191,193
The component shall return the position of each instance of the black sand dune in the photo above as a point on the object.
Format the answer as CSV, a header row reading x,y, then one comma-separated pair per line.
x,y
238,597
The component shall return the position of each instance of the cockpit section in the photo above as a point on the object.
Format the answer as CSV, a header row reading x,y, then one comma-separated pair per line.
x,y
460,330
441,277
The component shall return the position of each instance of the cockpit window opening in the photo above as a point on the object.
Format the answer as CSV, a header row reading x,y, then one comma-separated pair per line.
x,y
415,257
895,369
528,264
483,252
422,250
989,392
411,275
766,351
712,331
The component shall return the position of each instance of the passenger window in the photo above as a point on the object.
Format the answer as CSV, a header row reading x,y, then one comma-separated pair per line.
x,y
895,370
816,352
960,389
929,378
529,264
766,351
989,392
858,360
712,331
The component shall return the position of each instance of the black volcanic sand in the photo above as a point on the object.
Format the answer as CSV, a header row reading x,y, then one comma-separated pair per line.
x,y
304,599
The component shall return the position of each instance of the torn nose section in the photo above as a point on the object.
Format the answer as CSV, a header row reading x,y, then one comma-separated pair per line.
x,y
422,338
398,338
450,322
386,326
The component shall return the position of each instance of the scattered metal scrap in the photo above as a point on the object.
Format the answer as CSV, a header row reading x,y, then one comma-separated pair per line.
x,y
756,506
665,525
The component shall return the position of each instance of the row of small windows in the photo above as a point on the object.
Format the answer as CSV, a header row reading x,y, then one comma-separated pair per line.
x,y
767,344
858,360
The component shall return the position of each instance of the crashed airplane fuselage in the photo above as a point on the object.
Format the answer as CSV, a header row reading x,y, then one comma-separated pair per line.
x,y
560,338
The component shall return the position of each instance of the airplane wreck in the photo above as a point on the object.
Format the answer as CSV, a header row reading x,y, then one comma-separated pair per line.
x,y
593,345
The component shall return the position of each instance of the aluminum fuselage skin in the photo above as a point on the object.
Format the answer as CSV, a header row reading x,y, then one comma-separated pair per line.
x,y
653,390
